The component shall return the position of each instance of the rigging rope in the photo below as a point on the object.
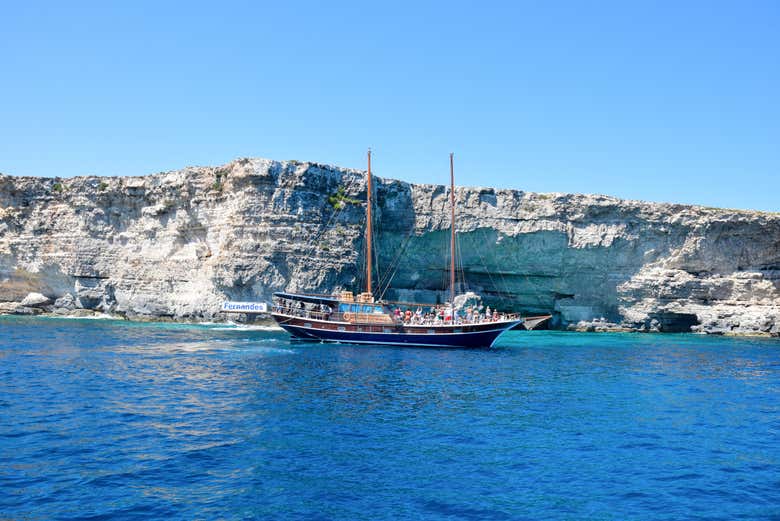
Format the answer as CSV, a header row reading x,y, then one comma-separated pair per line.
x,y
387,278
310,246
488,272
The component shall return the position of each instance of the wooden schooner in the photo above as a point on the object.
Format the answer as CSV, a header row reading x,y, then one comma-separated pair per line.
x,y
360,319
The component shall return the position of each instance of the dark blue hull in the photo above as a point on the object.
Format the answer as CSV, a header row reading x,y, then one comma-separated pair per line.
x,y
317,318
475,339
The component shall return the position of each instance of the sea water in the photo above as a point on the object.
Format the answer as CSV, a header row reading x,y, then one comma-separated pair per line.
x,y
115,420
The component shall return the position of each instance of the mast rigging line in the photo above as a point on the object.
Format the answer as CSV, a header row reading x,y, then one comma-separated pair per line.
x,y
370,251
371,256
489,273
452,229
310,246
387,278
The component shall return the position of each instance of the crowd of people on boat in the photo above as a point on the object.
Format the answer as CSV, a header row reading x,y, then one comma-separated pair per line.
x,y
441,315
433,316
299,309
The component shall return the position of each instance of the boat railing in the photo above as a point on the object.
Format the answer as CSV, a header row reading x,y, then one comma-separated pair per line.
x,y
414,320
308,313
335,316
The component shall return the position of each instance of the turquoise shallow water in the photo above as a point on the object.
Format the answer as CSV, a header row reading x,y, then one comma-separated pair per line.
x,y
110,420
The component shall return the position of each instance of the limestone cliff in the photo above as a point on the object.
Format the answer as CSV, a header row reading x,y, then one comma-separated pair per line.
x,y
175,244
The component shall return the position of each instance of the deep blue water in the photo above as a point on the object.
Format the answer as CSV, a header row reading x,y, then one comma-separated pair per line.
x,y
112,420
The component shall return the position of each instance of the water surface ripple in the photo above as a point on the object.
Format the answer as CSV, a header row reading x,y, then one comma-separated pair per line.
x,y
111,420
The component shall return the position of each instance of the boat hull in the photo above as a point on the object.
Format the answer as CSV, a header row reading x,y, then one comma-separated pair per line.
x,y
471,336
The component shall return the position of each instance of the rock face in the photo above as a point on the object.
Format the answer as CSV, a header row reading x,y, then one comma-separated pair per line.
x,y
176,244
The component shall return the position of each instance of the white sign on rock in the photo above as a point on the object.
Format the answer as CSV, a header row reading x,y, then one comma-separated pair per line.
x,y
244,307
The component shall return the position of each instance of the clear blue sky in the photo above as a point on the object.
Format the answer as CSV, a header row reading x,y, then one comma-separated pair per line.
x,y
665,101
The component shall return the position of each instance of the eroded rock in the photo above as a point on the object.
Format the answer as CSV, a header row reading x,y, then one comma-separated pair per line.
x,y
35,300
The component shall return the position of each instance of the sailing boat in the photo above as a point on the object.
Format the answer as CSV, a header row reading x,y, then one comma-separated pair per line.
x,y
360,319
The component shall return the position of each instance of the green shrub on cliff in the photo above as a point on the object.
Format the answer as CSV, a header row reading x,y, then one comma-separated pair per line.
x,y
339,199
218,185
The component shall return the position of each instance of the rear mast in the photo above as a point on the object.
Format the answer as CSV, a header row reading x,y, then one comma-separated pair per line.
x,y
452,233
368,229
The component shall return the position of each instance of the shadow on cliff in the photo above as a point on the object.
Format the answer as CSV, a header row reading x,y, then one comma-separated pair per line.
x,y
564,268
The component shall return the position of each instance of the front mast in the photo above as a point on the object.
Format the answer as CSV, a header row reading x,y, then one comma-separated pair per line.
x,y
452,236
368,230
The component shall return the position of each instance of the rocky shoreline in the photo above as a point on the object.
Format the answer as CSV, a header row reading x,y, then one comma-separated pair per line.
x,y
38,305
172,246
52,311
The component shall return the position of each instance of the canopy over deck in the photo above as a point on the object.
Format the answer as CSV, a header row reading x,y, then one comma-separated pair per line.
x,y
311,299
